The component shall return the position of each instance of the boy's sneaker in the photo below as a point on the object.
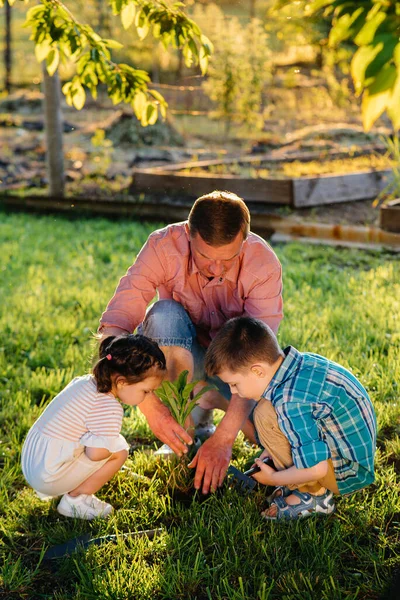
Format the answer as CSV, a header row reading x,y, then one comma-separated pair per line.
x,y
83,507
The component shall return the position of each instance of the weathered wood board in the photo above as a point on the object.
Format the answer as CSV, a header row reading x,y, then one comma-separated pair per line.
x,y
327,189
270,191
389,216
298,193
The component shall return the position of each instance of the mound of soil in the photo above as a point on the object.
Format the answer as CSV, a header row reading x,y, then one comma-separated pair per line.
x,y
124,128
23,101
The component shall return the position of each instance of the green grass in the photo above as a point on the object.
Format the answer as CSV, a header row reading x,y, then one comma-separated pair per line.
x,y
57,276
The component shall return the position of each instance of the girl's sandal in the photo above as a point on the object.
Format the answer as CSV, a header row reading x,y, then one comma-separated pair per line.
x,y
308,505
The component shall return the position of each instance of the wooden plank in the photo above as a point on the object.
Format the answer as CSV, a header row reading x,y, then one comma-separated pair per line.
x,y
265,224
272,191
389,216
327,189
102,206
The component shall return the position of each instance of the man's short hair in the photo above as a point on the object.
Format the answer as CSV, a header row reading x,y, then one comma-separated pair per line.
x,y
218,218
240,343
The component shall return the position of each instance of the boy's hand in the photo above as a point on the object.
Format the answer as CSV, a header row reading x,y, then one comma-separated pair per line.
x,y
265,475
263,455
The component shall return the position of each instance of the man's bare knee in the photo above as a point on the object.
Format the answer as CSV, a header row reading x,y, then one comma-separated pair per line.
x,y
178,359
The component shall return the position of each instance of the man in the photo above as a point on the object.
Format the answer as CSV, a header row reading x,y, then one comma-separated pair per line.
x,y
205,271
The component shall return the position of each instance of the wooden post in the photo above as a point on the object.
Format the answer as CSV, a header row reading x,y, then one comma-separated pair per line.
x,y
54,132
7,49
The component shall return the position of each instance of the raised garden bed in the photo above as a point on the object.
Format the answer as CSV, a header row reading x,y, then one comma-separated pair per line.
x,y
390,216
265,179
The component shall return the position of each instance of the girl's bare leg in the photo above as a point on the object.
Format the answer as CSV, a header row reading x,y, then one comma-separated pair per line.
x,y
107,471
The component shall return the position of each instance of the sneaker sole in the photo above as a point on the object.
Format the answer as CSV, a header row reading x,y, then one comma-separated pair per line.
x,y
85,516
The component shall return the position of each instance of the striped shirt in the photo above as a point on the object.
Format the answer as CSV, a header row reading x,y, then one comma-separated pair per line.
x,y
325,412
80,408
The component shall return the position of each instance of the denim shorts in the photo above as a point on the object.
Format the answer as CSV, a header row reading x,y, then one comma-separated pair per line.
x,y
167,323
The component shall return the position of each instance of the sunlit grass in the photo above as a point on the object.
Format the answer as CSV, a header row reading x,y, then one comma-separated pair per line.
x,y
57,276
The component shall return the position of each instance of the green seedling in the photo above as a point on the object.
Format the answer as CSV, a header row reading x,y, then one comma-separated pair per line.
x,y
177,397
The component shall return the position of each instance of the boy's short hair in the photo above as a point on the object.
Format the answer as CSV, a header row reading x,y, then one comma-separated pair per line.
x,y
218,218
241,342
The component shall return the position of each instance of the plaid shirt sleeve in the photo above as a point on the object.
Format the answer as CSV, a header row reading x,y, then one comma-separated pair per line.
x,y
296,421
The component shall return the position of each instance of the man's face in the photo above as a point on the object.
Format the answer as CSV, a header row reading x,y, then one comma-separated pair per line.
x,y
212,261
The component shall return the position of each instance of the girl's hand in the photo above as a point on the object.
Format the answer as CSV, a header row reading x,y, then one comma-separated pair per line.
x,y
265,475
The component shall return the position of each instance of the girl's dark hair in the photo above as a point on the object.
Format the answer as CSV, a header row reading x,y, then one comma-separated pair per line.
x,y
131,356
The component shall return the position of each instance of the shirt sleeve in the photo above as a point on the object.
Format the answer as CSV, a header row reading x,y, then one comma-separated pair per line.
x,y
104,423
135,290
264,301
298,424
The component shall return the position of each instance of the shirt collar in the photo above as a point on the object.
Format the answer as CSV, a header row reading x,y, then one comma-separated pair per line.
x,y
286,369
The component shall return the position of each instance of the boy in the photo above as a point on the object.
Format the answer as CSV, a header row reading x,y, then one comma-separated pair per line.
x,y
314,418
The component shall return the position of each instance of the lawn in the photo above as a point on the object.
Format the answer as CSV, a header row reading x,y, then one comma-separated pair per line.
x,y
57,276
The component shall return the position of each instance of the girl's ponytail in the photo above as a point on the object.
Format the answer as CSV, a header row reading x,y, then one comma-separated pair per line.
x,y
102,369
131,356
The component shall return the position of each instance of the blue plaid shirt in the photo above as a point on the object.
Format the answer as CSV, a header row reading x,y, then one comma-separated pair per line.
x,y
325,412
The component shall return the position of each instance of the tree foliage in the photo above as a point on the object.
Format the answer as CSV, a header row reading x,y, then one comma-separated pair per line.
x,y
239,68
373,26
59,37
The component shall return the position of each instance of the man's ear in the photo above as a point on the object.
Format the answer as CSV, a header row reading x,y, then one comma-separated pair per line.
x,y
258,370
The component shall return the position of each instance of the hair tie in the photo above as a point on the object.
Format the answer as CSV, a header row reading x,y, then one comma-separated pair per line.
x,y
108,357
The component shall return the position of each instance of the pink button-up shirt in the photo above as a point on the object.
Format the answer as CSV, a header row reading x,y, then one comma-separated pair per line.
x,y
252,286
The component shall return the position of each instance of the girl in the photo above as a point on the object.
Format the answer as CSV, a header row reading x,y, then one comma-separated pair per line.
x,y
75,446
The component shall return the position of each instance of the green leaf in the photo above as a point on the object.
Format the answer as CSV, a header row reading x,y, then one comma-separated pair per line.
x,y
181,381
188,389
342,28
52,61
203,60
396,55
128,15
393,106
139,104
42,50
367,33
312,7
78,96
373,106
113,44
384,80
203,390
158,96
362,58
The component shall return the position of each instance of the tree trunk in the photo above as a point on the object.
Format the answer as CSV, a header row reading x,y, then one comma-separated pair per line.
x,y
252,9
54,133
7,49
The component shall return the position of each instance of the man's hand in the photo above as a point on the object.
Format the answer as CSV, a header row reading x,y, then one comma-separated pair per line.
x,y
164,426
211,463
